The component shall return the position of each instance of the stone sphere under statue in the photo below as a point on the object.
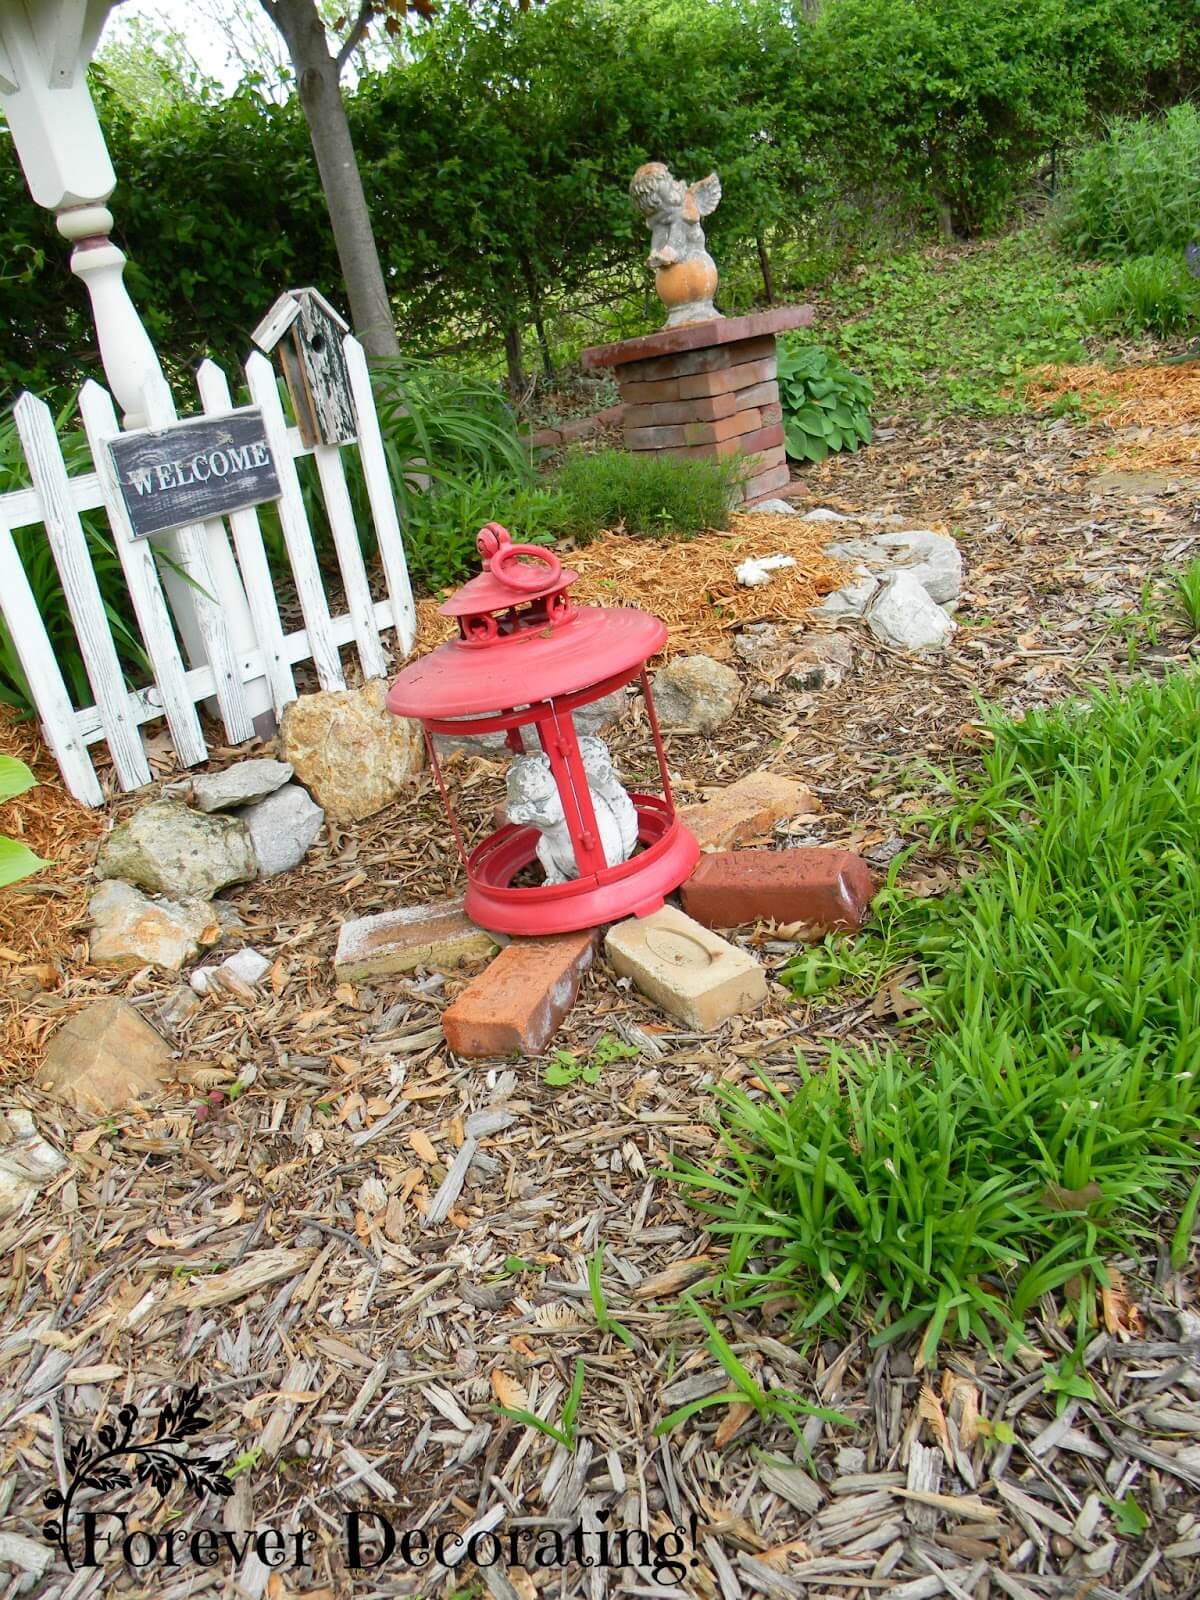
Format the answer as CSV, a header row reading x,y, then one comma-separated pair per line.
x,y
685,275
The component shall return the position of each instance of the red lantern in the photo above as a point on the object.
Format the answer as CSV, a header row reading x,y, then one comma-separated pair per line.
x,y
525,648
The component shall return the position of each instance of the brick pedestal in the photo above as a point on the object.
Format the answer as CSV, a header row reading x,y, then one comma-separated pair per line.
x,y
707,389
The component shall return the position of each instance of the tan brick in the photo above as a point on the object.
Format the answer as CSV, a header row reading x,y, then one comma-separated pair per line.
x,y
727,428
685,969
730,379
437,936
519,1002
653,438
747,809
640,394
710,358
707,409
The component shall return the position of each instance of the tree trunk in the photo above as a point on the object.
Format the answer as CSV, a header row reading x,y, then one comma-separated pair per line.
x,y
764,266
512,357
539,323
317,74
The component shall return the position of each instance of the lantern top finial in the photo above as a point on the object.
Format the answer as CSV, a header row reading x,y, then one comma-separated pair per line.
x,y
522,589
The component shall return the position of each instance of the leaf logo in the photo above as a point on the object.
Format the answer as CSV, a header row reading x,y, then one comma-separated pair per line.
x,y
98,1462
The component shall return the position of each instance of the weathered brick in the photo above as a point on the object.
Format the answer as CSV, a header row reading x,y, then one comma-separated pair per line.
x,y
686,969
772,413
747,809
437,936
545,439
741,422
518,1003
825,888
579,428
758,394
640,394
663,412
730,379
697,336
653,438
765,485
711,358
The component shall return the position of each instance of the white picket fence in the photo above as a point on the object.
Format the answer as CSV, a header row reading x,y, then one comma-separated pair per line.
x,y
56,500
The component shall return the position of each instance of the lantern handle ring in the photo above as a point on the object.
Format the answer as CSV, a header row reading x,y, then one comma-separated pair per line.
x,y
495,545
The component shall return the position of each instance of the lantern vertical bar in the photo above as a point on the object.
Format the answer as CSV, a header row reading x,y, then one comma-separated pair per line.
x,y
566,764
652,715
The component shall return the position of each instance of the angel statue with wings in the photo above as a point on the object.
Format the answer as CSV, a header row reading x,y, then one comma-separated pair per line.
x,y
685,275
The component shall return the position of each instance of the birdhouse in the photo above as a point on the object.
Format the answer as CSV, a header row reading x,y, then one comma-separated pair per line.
x,y
307,333
577,849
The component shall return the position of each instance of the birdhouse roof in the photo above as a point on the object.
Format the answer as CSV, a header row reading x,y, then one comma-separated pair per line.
x,y
285,311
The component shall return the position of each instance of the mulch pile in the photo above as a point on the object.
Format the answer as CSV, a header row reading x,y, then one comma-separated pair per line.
x,y
692,585
1155,410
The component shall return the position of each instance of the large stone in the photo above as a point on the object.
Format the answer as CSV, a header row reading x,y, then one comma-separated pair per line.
x,y
934,559
904,617
776,508
821,661
347,747
104,1058
239,785
167,848
852,600
695,694
747,809
282,828
129,931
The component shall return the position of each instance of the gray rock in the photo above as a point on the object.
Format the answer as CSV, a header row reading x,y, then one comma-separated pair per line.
x,y
695,694
239,785
821,662
852,601
933,559
593,719
821,514
128,930
247,968
780,508
903,616
167,848
27,1162
282,828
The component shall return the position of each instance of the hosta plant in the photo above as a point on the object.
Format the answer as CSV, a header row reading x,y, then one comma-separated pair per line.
x,y
17,860
825,405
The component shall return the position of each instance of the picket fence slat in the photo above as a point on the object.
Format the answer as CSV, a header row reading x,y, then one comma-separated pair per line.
x,y
350,559
142,580
252,558
379,493
48,470
209,563
214,580
296,533
42,672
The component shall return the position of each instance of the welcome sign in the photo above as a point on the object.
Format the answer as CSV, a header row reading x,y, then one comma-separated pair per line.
x,y
193,470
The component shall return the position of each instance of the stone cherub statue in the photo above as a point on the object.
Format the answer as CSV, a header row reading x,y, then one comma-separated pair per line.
x,y
685,275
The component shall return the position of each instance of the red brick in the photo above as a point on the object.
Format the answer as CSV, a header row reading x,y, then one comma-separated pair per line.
x,y
545,439
674,411
766,484
727,428
653,438
712,358
610,414
640,394
732,378
823,887
518,1003
758,394
772,413
696,335
579,428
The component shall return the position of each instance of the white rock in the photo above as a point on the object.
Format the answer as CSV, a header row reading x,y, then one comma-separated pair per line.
x,y
778,508
27,1162
852,601
282,828
823,515
903,616
755,571
934,559
247,966
239,785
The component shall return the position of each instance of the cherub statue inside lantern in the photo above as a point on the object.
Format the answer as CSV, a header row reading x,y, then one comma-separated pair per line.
x,y
685,275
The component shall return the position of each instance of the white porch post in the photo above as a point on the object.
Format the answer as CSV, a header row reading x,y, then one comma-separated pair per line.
x,y
45,47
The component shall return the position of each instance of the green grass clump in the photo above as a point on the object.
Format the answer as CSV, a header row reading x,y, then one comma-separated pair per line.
x,y
1135,193
1047,1115
1144,295
649,495
1187,584
954,331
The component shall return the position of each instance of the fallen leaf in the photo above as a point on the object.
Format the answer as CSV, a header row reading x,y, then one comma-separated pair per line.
x,y
738,1413
929,1409
509,1391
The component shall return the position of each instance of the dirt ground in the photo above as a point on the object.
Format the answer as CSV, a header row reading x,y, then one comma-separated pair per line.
x,y
352,1351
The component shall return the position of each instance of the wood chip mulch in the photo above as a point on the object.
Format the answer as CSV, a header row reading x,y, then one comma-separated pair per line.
x,y
374,1245
1152,412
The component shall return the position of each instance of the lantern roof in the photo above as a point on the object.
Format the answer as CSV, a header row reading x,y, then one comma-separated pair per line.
x,y
522,641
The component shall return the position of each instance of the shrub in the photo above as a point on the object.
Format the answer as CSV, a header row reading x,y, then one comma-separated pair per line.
x,y
825,405
647,495
1045,1115
1147,294
17,860
441,524
1136,192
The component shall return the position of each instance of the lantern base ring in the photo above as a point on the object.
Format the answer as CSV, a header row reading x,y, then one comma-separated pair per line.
x,y
632,888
